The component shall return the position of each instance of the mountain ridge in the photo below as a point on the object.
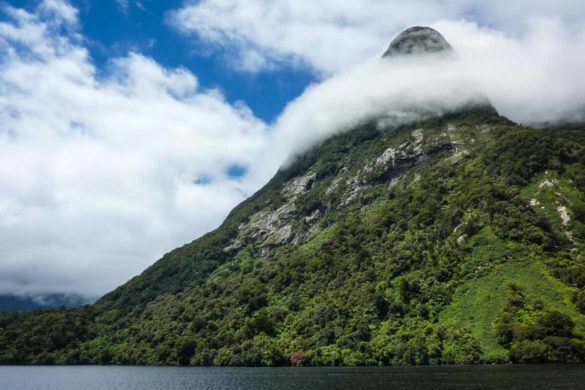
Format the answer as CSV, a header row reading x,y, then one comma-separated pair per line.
x,y
422,244
454,239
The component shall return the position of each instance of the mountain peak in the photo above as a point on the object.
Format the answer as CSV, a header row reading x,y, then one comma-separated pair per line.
x,y
418,40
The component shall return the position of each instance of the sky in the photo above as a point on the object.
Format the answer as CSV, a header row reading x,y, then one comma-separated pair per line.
x,y
130,127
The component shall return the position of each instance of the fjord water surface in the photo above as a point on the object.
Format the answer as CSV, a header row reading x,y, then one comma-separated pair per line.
x,y
341,378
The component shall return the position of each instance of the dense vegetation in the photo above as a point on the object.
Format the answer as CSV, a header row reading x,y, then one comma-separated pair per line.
x,y
459,239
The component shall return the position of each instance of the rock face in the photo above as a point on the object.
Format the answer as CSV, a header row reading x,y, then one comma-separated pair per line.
x,y
417,41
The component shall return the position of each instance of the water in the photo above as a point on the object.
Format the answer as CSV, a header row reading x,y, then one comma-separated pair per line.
x,y
351,378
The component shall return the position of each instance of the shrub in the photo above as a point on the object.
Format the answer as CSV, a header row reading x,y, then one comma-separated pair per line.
x,y
528,351
297,358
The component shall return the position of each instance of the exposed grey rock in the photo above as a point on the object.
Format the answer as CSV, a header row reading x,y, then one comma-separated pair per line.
x,y
418,139
416,41
334,185
275,227
335,182
458,156
235,243
562,210
547,183
271,225
298,185
389,155
355,186
394,182
281,235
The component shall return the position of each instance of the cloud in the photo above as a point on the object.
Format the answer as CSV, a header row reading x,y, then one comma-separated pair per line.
x,y
59,10
123,5
532,80
329,36
99,175
399,90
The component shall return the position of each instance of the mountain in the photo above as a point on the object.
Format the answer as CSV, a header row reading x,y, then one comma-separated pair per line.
x,y
418,40
51,301
454,239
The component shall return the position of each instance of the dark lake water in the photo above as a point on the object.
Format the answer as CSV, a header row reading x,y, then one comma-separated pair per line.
x,y
351,378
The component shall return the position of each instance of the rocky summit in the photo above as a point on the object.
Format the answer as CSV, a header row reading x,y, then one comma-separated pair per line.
x,y
417,41
457,239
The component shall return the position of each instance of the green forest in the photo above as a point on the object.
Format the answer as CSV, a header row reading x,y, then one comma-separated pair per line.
x,y
452,240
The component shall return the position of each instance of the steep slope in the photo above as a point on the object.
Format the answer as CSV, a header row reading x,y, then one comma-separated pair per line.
x,y
454,240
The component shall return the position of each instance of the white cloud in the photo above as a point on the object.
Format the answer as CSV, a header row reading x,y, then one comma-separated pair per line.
x,y
59,11
98,175
123,5
333,35
533,79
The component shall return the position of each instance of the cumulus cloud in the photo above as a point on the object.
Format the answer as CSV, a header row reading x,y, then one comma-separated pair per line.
x,y
100,175
333,35
531,79
59,10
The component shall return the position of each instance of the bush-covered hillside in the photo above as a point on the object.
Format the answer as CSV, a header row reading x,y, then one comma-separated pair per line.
x,y
459,239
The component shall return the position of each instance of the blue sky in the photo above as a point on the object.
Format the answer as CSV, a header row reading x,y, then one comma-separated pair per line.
x,y
112,31
128,128
112,28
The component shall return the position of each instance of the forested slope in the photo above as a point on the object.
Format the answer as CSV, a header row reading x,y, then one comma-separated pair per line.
x,y
458,239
